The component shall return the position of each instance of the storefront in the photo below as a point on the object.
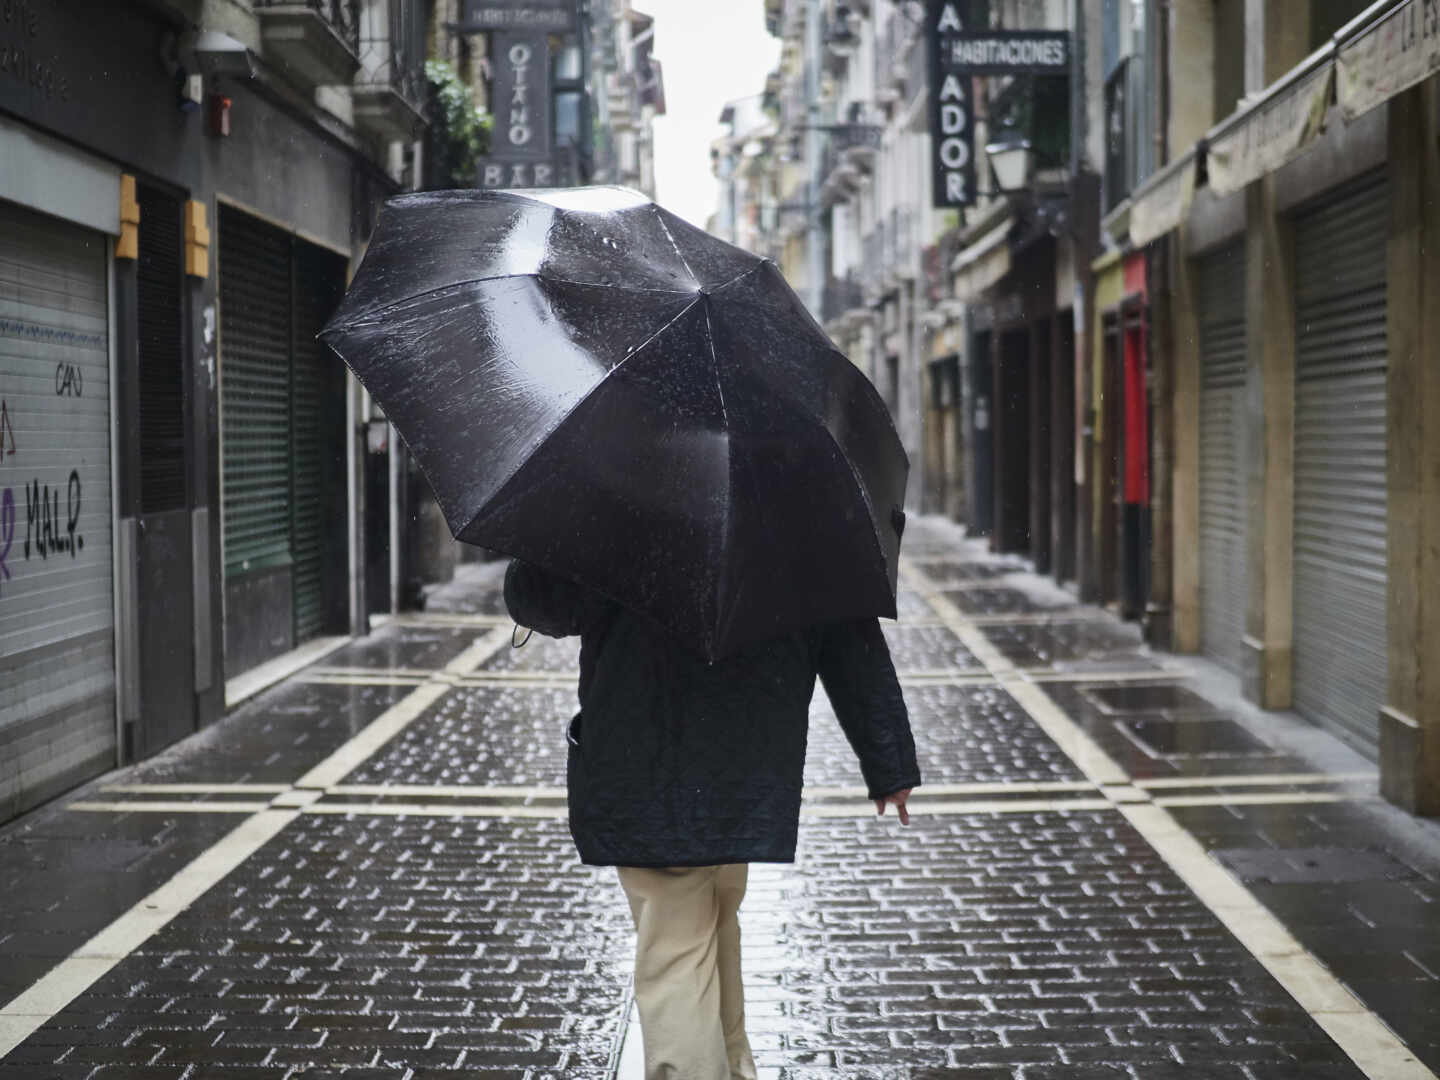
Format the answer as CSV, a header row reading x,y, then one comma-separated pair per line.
x,y
57,557
115,610
282,408
1341,363
1219,278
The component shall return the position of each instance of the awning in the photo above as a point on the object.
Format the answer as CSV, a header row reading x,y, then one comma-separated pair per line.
x,y
984,262
1276,129
1160,204
1392,54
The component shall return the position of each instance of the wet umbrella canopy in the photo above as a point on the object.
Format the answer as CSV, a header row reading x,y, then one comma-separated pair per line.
x,y
595,386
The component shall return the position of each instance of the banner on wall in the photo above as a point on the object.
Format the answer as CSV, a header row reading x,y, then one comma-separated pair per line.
x,y
1276,131
1394,54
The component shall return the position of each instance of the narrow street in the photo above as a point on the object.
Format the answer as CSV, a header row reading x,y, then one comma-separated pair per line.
x,y
366,872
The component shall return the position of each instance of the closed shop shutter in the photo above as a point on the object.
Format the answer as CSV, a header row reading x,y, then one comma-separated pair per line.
x,y
57,671
1340,500
1220,298
255,334
162,368
319,281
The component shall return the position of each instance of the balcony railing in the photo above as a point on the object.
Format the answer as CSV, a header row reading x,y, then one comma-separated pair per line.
x,y
389,90
392,51
342,16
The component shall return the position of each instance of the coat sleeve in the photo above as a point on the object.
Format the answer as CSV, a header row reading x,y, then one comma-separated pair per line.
x,y
859,678
549,604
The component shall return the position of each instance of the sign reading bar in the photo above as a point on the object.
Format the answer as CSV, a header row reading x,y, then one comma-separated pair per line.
x,y
520,98
1391,56
952,138
483,16
503,173
1009,52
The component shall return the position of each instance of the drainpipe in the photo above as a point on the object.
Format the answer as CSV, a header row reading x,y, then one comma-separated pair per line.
x,y
815,252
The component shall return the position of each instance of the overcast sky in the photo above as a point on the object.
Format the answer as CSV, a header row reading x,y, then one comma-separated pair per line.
x,y
712,51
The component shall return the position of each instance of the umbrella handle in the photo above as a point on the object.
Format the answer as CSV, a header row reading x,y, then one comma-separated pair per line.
x,y
519,644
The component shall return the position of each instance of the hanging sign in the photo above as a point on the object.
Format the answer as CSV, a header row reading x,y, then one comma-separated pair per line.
x,y
1394,54
520,96
484,16
509,173
1008,52
952,109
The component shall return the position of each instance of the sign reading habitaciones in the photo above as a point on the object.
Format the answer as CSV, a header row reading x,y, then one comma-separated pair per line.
x,y
483,16
961,47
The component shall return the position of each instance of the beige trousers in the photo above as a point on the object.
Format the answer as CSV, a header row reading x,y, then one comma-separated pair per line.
x,y
687,971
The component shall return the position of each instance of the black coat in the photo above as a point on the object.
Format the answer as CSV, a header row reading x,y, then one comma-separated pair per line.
x,y
676,762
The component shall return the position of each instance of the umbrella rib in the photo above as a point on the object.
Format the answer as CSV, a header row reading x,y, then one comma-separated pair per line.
x,y
671,237
742,274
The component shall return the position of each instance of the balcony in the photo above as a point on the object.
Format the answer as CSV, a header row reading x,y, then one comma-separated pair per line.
x,y
1124,131
840,297
389,92
848,156
315,42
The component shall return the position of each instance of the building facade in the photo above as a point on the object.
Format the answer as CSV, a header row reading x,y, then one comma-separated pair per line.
x,y
184,189
1179,357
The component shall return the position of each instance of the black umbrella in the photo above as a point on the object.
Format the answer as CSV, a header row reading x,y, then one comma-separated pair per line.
x,y
595,386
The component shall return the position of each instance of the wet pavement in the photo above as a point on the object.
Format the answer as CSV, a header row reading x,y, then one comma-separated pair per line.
x,y
1115,869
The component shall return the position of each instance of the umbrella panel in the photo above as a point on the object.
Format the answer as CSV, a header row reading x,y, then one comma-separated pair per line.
x,y
474,378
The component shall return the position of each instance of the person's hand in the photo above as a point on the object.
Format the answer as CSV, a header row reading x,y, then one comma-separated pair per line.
x,y
898,801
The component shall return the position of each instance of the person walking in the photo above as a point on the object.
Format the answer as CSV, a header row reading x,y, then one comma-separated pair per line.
x,y
682,772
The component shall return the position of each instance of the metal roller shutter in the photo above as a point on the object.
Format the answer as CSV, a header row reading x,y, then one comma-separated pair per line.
x,y
57,633
255,335
318,284
1220,289
1340,499
162,367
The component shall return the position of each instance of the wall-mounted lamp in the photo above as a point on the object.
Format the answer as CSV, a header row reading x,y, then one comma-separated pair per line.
x,y
1013,163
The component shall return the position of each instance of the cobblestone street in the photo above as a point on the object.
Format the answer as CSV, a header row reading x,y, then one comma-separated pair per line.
x,y
1114,869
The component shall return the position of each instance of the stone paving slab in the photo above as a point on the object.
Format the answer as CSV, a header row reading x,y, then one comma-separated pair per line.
x,y
1145,762
963,734
65,877
383,943
1377,931
1069,643
273,738
1007,600
1036,945
1010,944
393,646
506,735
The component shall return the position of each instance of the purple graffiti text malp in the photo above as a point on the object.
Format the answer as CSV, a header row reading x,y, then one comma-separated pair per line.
x,y
7,530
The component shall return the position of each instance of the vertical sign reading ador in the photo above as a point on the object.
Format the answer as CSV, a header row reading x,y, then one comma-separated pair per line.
x,y
520,150
952,136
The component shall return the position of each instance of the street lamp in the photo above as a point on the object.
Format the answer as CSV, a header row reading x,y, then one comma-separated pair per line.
x,y
1013,163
